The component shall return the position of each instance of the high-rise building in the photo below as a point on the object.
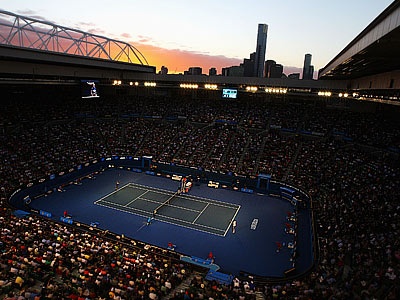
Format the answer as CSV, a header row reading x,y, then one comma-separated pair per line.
x,y
260,50
308,69
273,70
212,71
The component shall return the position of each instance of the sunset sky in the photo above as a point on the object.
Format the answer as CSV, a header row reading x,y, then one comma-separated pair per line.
x,y
180,34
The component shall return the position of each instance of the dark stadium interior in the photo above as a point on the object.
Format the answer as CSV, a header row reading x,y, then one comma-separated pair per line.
x,y
327,151
345,153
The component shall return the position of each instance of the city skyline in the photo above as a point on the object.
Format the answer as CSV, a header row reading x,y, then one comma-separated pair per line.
x,y
181,34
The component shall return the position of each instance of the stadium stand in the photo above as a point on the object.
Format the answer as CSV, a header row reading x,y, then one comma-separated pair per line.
x,y
351,169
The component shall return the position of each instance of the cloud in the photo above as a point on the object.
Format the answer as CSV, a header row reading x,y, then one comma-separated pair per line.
x,y
144,39
26,12
33,15
126,35
85,24
97,31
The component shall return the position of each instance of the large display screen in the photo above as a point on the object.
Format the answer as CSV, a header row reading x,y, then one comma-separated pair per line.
x,y
89,89
229,93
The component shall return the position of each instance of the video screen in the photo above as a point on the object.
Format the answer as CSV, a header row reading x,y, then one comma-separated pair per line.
x,y
89,89
229,93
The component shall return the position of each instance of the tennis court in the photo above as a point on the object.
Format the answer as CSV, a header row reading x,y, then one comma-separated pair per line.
x,y
183,210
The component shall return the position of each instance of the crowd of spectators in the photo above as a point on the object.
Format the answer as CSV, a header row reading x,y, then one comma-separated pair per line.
x,y
53,261
350,168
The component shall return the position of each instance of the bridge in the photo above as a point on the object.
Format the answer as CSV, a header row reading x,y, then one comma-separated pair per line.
x,y
34,47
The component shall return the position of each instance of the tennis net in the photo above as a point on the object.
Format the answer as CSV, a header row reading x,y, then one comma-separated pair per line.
x,y
165,203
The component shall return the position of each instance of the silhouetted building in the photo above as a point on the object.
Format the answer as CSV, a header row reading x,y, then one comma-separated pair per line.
x,y
294,76
311,72
277,71
163,71
308,69
234,71
268,65
261,47
212,72
248,65
273,70
194,71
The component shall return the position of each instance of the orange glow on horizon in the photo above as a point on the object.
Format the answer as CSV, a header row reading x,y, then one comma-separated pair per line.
x,y
177,61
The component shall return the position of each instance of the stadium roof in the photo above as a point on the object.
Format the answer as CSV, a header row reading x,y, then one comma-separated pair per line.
x,y
374,51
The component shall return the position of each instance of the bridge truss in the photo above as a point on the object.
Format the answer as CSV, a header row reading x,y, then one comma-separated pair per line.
x,y
26,32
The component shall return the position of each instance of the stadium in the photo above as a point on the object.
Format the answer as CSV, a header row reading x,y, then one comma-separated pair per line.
x,y
119,183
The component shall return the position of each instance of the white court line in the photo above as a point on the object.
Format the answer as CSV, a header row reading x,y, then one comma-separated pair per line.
x,y
138,197
124,210
188,198
230,223
198,216
191,197
133,212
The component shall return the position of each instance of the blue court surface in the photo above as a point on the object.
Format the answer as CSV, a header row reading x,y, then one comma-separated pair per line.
x,y
183,210
197,222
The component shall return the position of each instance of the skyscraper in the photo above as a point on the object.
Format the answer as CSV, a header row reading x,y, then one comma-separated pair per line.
x,y
308,69
260,50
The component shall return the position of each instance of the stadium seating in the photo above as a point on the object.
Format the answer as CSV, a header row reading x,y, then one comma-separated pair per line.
x,y
347,159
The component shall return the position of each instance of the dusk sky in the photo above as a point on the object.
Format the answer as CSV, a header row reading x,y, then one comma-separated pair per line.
x,y
180,34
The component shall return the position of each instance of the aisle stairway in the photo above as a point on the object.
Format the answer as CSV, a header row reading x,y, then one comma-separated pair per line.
x,y
180,289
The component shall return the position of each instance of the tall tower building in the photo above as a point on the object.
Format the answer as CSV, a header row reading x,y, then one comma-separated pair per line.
x,y
308,69
261,47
